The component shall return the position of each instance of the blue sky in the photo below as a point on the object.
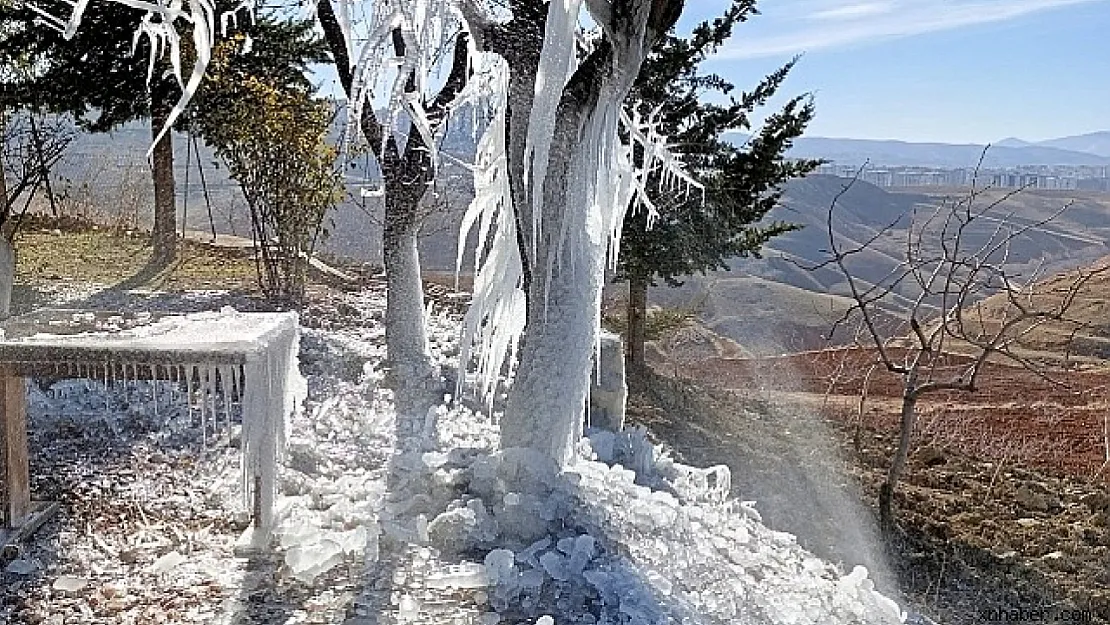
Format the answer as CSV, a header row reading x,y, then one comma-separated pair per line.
x,y
971,71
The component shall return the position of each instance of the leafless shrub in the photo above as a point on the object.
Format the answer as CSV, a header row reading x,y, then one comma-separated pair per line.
x,y
951,264
30,145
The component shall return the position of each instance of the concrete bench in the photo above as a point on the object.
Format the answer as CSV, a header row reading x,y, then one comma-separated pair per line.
x,y
258,351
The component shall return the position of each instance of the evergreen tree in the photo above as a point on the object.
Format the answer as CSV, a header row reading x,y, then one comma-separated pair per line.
x,y
695,231
100,77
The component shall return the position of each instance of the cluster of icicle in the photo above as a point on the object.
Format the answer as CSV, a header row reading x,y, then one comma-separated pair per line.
x,y
218,388
274,391
265,392
612,180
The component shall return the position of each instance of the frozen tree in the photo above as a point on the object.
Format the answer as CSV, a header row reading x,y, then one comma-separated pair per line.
x,y
100,76
412,32
558,182
122,65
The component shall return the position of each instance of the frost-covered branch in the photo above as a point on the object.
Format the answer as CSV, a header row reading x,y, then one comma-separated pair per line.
x,y
161,28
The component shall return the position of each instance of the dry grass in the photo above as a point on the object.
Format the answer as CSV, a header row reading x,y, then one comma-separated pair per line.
x,y
99,256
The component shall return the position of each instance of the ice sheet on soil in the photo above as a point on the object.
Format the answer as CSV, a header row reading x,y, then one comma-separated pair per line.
x,y
450,530
595,544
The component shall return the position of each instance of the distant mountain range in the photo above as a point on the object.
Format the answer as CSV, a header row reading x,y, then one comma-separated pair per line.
x,y
746,303
1090,149
1097,143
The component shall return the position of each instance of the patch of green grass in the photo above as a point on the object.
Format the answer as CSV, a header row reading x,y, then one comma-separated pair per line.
x,y
660,322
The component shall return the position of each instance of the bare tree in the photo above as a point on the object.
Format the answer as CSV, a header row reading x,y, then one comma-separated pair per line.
x,y
30,146
968,306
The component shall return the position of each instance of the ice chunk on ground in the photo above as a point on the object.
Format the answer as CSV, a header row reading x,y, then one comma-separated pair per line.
x,y
500,566
466,575
21,567
68,583
555,565
166,563
582,552
306,562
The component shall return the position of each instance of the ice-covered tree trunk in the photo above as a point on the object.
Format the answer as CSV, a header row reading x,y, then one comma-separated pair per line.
x,y
567,259
407,172
552,382
412,373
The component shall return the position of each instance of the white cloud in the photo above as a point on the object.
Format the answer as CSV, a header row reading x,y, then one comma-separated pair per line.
x,y
853,11
852,23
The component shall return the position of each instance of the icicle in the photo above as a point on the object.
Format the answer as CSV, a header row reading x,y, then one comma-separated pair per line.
x,y
495,320
237,375
202,384
557,62
210,393
107,390
175,384
188,395
154,391
225,384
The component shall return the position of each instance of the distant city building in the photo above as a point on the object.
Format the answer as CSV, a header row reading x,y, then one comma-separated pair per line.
x,y
1065,177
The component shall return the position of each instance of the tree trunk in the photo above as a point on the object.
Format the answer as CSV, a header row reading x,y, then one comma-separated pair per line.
x,y
637,322
412,374
164,232
548,395
3,180
7,254
551,387
7,276
898,464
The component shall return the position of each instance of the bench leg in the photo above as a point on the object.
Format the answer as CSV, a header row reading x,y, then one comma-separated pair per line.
x,y
15,488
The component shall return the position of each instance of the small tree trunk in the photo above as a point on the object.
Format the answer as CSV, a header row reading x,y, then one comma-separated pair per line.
x,y
7,254
637,322
3,181
7,276
898,464
412,373
164,232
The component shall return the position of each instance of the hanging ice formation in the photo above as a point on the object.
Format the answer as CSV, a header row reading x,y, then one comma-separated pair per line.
x,y
201,353
495,320
613,181
160,28
379,68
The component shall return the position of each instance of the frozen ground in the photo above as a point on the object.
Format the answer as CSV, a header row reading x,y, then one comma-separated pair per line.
x,y
386,519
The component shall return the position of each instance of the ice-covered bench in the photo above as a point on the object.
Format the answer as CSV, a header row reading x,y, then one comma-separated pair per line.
x,y
256,353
